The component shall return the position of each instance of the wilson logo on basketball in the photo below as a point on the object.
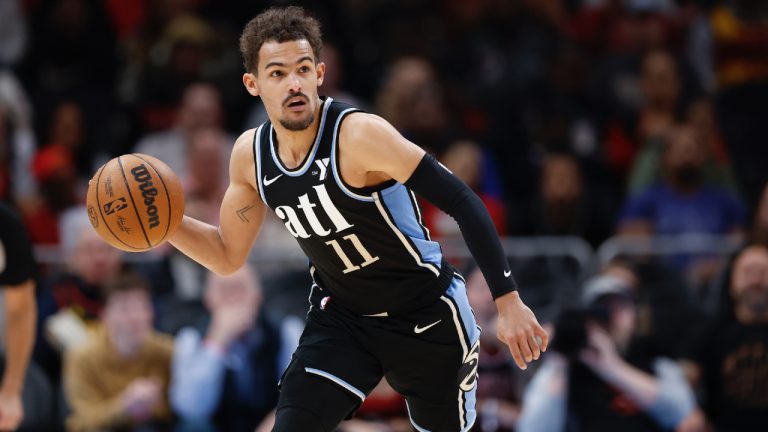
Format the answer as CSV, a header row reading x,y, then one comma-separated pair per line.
x,y
148,192
115,206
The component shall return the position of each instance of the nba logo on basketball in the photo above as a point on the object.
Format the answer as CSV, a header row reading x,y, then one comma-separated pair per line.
x,y
115,206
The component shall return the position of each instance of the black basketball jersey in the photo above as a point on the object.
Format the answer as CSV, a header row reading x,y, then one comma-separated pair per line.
x,y
368,248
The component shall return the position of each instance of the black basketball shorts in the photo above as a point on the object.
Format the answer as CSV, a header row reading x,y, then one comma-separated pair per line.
x,y
430,356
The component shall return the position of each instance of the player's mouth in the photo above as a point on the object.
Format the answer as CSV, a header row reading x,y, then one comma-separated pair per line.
x,y
297,103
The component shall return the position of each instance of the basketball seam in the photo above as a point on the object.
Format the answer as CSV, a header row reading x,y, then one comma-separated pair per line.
x,y
128,188
167,197
103,219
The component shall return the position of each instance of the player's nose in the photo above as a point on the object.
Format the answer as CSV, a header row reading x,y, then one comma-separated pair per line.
x,y
294,85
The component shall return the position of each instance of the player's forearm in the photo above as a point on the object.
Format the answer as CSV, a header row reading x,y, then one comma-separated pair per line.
x,y
439,186
21,315
203,243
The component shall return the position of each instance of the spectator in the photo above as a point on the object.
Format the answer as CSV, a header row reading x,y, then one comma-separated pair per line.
x,y
566,205
412,99
54,171
683,202
733,357
181,56
72,56
739,27
660,86
207,180
737,40
226,377
465,159
598,379
200,108
71,301
663,303
119,379
68,131
717,170
17,279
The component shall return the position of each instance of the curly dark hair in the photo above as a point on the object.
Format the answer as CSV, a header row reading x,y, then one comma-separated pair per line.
x,y
280,24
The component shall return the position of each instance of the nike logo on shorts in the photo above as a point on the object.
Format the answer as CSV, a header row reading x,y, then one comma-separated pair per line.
x,y
507,273
268,182
417,329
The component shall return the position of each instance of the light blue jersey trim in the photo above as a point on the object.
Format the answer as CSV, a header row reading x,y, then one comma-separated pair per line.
x,y
334,163
469,334
404,239
401,207
338,381
315,145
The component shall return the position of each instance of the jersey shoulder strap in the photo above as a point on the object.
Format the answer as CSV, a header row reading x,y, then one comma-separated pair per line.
x,y
332,123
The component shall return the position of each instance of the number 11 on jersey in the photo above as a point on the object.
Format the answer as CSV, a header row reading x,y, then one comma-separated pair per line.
x,y
352,238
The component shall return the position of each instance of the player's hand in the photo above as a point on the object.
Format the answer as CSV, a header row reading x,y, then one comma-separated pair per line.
x,y
11,411
519,329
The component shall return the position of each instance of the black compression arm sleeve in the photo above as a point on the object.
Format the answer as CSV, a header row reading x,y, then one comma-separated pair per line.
x,y
439,186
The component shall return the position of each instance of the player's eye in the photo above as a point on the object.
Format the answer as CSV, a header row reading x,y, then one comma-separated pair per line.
x,y
276,73
304,69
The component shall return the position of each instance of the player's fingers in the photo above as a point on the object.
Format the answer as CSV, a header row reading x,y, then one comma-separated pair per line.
x,y
534,346
544,336
515,350
525,349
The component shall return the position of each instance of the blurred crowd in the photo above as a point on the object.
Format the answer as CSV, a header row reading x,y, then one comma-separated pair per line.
x,y
583,118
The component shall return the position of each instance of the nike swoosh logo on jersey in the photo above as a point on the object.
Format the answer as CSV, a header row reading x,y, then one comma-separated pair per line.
x,y
268,182
507,273
417,329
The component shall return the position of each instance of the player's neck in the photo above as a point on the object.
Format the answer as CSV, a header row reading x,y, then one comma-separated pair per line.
x,y
294,145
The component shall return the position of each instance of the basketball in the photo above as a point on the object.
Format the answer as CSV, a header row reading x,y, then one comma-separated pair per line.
x,y
135,202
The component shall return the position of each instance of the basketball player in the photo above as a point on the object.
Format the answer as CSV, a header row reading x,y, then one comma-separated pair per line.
x,y
383,301
17,279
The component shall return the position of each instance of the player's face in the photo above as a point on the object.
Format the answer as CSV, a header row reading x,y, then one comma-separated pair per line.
x,y
287,81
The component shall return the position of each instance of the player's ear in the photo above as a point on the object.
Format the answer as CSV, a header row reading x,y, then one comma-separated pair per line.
x,y
249,81
320,69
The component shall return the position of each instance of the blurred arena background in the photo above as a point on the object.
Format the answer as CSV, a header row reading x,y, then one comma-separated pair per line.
x,y
623,139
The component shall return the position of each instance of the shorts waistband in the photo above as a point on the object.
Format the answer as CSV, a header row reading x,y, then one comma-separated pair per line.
x,y
323,298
